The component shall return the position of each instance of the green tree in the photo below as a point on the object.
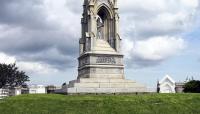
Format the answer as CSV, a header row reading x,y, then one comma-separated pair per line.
x,y
64,84
10,76
192,87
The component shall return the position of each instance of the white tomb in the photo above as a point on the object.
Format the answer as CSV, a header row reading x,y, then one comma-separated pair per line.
x,y
16,91
37,89
167,85
4,93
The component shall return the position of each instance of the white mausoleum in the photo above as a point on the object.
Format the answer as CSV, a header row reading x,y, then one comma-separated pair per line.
x,y
167,85
37,89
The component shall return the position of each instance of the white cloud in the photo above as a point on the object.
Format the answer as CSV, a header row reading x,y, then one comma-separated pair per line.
x,y
150,29
157,6
190,3
6,59
63,15
30,67
153,50
127,48
143,5
155,18
34,67
158,48
9,31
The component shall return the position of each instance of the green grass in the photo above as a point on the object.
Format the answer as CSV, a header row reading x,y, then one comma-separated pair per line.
x,y
102,104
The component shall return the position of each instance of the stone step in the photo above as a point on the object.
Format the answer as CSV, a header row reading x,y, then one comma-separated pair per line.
x,y
106,85
104,48
102,45
89,83
104,52
106,90
101,80
107,76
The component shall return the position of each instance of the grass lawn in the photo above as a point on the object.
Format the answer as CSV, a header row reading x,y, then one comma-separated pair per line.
x,y
102,104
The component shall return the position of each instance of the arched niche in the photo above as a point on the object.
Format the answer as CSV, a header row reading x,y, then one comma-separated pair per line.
x,y
108,24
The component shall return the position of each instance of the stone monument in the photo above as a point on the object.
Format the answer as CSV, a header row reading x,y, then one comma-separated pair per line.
x,y
101,67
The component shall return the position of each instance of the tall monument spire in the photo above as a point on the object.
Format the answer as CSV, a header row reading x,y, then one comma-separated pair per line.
x,y
101,67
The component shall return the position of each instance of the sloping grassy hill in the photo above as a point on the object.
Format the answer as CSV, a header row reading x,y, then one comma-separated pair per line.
x,y
102,104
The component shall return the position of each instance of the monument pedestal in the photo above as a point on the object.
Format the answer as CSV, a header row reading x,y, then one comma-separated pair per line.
x,y
97,85
102,71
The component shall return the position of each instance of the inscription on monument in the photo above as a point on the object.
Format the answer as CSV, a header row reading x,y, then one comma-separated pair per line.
x,y
107,60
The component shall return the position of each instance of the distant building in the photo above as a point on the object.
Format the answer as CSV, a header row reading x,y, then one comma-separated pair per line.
x,y
37,89
51,89
166,85
15,91
62,89
179,87
4,93
25,89
10,92
31,89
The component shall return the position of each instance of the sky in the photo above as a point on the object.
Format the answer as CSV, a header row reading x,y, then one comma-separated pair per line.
x,y
159,37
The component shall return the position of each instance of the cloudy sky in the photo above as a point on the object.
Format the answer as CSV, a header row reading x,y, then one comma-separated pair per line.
x,y
159,37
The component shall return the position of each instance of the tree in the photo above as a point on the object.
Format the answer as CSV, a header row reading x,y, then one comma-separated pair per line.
x,y
64,84
192,87
11,77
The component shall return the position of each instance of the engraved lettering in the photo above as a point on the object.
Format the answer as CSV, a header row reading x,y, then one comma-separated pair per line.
x,y
108,60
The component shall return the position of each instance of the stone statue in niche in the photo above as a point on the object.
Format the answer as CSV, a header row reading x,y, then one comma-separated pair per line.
x,y
100,28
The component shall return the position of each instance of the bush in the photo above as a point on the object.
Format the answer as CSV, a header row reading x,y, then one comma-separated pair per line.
x,y
192,87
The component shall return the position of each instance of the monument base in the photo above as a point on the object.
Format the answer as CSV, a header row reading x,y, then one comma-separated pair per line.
x,y
102,71
107,86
